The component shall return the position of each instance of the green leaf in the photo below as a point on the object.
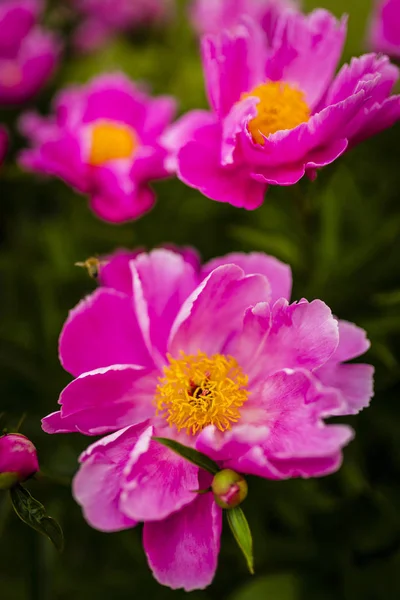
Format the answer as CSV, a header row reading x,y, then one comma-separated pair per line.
x,y
242,534
193,456
33,513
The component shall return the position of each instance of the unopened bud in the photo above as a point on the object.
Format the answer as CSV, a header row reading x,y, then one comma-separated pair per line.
x,y
229,488
18,460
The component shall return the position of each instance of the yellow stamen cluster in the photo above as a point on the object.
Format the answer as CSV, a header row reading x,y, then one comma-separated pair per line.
x,y
198,390
281,107
111,141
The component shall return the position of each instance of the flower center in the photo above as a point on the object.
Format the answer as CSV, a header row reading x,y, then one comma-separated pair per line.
x,y
198,390
281,107
111,141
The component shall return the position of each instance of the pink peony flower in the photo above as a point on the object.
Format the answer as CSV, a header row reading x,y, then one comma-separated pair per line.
x,y
384,34
217,358
278,111
212,16
103,140
18,459
104,18
28,53
3,143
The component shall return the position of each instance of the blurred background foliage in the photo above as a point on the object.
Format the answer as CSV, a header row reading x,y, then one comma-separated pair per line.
x,y
330,539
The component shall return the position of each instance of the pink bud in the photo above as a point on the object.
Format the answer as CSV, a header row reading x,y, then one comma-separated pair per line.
x,y
229,488
18,459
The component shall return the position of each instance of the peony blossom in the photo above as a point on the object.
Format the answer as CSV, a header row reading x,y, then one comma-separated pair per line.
x,y
3,143
278,110
104,18
28,53
18,459
104,141
217,358
212,16
384,34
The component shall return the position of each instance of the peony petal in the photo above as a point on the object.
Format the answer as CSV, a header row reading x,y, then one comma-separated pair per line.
x,y
183,549
199,166
105,400
157,483
215,310
163,280
115,270
354,381
97,485
116,197
302,335
299,444
279,274
181,132
300,40
102,330
232,64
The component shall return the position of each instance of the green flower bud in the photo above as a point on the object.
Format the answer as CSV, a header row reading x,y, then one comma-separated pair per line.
x,y
229,488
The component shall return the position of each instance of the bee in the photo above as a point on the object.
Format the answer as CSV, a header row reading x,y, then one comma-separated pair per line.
x,y
92,266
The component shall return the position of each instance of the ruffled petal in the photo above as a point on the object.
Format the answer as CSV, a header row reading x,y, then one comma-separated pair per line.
x,y
300,335
354,381
104,400
300,40
183,549
299,444
279,274
102,330
215,310
163,280
157,482
233,64
199,166
97,485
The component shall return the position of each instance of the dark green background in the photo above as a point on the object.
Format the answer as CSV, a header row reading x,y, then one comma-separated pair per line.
x,y
331,539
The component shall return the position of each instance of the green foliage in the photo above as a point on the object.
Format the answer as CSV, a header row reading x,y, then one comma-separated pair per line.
x,y
190,454
33,513
242,534
336,538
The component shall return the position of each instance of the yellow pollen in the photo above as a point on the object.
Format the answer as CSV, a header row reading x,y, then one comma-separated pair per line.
x,y
111,141
198,390
281,107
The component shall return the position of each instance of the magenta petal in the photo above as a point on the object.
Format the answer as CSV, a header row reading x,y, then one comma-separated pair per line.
x,y
215,310
97,485
354,381
248,346
102,330
199,166
183,549
233,64
157,483
298,443
115,270
181,132
302,335
59,156
231,444
105,400
279,274
116,197
384,35
315,39
164,280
